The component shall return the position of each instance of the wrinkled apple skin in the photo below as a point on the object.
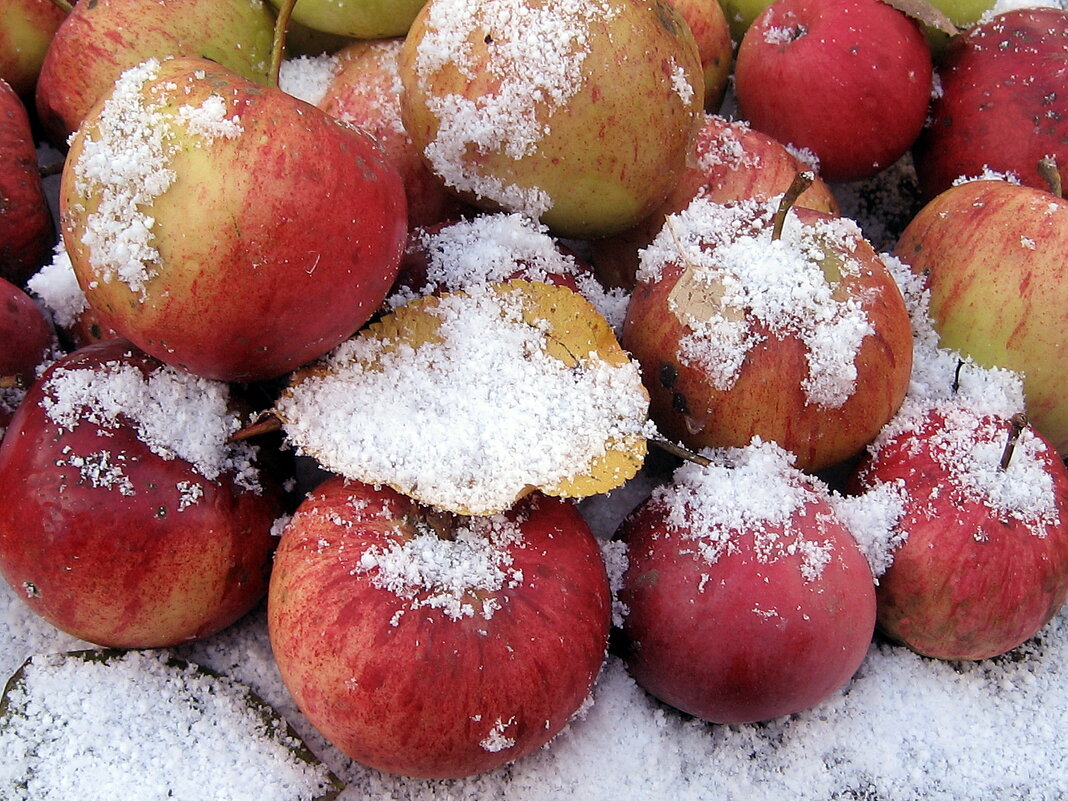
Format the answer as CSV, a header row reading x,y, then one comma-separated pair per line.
x,y
965,584
24,332
1003,105
417,695
99,40
26,30
27,233
852,84
268,269
993,255
608,155
742,640
124,570
768,400
729,161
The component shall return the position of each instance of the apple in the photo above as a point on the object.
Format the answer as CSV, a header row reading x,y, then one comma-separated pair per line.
x,y
1002,106
26,334
533,115
127,519
99,40
729,161
26,30
740,15
55,288
992,254
425,644
848,80
710,30
27,232
983,560
227,228
358,19
745,597
366,91
800,337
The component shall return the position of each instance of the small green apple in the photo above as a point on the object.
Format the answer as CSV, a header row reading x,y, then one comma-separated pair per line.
x,y
359,19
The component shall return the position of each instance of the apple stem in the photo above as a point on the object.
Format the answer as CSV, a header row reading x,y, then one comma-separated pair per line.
x,y
278,47
678,450
956,376
63,6
10,382
1017,423
1047,168
802,181
263,423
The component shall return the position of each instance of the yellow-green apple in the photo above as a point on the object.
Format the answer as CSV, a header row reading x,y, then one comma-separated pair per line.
x,y
227,228
848,80
745,597
365,91
729,161
710,30
127,518
798,336
26,30
520,105
981,563
740,15
1002,104
426,644
27,232
99,40
993,256
358,19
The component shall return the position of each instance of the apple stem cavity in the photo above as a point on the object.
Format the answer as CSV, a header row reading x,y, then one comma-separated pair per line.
x,y
1017,423
1047,168
265,422
677,450
802,181
278,47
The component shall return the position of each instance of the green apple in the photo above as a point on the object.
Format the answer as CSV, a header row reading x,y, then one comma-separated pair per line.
x,y
359,19
741,13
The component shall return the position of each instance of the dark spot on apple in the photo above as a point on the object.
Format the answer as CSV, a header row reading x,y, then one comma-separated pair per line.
x,y
651,579
94,331
488,39
31,589
669,18
161,512
678,403
91,4
668,375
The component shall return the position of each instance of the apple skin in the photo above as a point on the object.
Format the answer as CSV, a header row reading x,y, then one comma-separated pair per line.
x,y
25,332
729,161
696,639
710,30
852,83
993,255
589,165
358,19
27,232
124,570
968,583
416,692
26,30
1002,105
99,40
266,270
767,400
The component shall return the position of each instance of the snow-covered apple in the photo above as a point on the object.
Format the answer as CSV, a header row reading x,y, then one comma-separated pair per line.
x,y
127,518
993,254
982,560
426,644
847,80
798,336
27,232
1002,104
519,105
99,40
745,597
224,227
26,30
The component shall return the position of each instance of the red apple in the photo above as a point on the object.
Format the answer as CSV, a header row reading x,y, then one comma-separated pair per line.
x,y
126,518
711,31
27,232
803,340
992,254
227,228
983,565
1002,104
745,597
26,30
729,161
848,80
425,644
26,334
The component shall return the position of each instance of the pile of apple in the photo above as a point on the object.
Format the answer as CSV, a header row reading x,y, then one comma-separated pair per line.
x,y
500,247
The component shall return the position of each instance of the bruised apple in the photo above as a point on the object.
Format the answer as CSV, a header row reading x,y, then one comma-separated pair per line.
x,y
746,598
427,644
126,518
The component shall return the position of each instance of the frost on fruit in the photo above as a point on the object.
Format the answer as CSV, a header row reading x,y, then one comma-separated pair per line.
x,y
73,725
469,400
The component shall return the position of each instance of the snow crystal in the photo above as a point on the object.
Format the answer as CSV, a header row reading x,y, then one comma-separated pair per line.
x,y
56,286
308,77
